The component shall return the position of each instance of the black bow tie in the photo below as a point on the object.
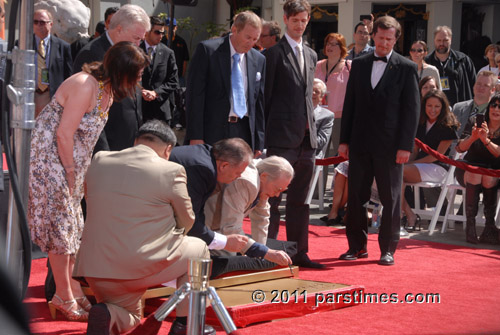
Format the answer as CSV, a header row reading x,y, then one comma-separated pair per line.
x,y
382,59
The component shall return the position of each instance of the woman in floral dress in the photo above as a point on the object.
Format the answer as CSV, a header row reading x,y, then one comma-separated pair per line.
x,y
62,142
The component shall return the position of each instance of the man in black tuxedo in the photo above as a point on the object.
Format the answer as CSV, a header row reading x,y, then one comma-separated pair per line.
x,y
159,79
290,129
53,59
379,123
129,23
225,97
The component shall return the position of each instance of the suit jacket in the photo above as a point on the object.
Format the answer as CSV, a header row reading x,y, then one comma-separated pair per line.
x,y
138,211
161,77
60,62
201,171
288,97
125,117
225,210
324,125
463,110
209,92
382,120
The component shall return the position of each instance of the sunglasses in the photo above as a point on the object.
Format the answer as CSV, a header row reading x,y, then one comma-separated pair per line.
x,y
41,22
495,105
159,32
417,50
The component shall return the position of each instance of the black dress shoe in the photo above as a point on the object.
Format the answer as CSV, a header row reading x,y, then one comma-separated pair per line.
x,y
303,260
180,329
352,255
99,320
386,259
335,222
324,218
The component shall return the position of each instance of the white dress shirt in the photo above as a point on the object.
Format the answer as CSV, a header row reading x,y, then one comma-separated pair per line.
x,y
378,69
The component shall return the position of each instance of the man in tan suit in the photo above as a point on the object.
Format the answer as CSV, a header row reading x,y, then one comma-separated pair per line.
x,y
138,215
248,196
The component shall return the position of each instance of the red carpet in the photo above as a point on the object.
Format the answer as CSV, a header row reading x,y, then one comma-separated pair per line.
x,y
466,279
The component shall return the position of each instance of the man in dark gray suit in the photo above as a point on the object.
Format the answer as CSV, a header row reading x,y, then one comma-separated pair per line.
x,y
160,77
129,23
379,123
224,97
290,128
483,89
53,59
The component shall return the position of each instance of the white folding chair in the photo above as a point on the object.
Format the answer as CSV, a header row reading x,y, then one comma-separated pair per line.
x,y
317,179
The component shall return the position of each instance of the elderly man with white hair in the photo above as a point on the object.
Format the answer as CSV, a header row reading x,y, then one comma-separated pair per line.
x,y
129,23
248,195
324,118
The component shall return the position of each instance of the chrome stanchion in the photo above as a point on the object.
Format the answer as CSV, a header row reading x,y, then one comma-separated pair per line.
x,y
198,273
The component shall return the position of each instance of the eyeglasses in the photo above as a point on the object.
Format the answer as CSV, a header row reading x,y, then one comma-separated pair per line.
x,y
495,106
159,32
417,50
364,33
41,22
332,44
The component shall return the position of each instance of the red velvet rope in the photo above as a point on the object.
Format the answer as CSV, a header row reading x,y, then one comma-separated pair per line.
x,y
434,153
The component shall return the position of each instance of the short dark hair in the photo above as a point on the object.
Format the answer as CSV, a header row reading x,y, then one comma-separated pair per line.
x,y
387,22
358,25
110,11
294,7
156,21
121,67
232,150
157,131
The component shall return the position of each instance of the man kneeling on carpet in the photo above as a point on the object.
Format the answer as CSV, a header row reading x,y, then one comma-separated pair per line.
x,y
138,215
248,196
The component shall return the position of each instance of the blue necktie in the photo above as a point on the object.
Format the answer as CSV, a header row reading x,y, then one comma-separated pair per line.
x,y
239,103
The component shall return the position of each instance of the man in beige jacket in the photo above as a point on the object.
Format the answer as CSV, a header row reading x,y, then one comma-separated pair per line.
x,y
138,214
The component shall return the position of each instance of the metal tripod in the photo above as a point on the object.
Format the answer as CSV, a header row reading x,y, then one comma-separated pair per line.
x,y
197,288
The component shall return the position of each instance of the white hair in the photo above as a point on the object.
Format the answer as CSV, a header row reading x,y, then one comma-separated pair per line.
x,y
276,167
128,15
322,84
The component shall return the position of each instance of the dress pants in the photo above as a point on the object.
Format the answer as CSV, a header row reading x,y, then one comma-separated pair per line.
x,y
240,129
123,297
297,212
363,167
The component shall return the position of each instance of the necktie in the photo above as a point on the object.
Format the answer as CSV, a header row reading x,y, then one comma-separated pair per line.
x,y
150,54
300,59
382,59
41,66
474,111
239,103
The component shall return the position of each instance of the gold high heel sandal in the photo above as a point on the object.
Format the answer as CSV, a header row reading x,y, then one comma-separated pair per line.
x,y
56,304
84,303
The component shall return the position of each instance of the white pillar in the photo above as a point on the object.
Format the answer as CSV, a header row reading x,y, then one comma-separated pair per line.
x,y
222,11
349,13
444,13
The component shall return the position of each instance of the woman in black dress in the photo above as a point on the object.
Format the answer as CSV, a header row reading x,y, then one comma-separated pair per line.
x,y
438,129
482,143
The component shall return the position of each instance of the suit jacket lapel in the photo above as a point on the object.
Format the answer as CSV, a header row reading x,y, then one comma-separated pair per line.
x,y
251,76
156,58
389,72
225,63
53,50
290,54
